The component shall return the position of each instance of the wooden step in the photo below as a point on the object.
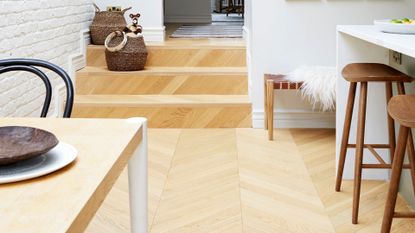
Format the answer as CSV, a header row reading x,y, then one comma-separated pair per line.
x,y
170,111
181,55
163,80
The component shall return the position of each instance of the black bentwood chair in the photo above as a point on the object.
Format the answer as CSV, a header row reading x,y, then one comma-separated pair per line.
x,y
31,66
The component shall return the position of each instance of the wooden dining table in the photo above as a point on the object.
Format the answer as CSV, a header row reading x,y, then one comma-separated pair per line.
x,y
67,200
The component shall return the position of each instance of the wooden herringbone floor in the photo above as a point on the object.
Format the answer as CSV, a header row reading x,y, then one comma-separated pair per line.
x,y
234,180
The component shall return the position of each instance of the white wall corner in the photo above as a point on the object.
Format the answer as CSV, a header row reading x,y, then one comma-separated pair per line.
x,y
76,62
154,34
296,119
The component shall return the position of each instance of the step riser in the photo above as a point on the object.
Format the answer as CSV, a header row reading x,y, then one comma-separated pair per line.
x,y
171,117
153,84
191,57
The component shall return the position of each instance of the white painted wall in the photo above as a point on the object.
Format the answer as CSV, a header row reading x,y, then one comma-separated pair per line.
x,y
286,34
47,30
152,15
188,11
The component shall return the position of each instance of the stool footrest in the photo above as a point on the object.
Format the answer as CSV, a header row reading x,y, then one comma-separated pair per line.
x,y
382,166
404,215
377,146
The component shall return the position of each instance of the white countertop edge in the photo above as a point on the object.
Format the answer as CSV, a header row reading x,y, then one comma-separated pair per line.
x,y
404,44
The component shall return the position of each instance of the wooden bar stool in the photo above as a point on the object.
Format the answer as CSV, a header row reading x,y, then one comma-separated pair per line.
x,y
274,82
402,109
363,73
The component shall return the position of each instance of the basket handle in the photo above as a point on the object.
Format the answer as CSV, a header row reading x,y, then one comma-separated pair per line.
x,y
126,9
96,8
112,36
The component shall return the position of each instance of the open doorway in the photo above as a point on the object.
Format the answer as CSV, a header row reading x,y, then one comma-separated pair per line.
x,y
228,11
204,18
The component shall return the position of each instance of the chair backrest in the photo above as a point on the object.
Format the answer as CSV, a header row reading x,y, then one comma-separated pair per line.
x,y
31,65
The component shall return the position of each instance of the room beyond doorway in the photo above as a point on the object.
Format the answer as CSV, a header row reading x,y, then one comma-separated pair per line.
x,y
204,18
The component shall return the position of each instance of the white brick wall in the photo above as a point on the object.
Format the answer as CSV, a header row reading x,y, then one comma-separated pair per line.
x,y
42,29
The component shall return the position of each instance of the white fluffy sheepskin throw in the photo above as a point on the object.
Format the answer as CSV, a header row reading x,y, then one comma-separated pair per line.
x,y
319,85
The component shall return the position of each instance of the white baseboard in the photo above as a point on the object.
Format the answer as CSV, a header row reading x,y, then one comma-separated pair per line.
x,y
155,34
296,119
188,19
78,61
245,32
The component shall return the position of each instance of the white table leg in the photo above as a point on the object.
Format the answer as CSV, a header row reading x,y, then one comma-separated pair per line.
x,y
138,183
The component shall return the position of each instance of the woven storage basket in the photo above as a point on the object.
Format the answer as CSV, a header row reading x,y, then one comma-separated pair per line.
x,y
132,57
106,22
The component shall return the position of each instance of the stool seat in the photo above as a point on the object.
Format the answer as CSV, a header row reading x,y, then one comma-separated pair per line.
x,y
402,109
373,72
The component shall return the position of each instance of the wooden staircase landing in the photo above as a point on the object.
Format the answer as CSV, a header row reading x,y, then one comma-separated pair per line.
x,y
184,85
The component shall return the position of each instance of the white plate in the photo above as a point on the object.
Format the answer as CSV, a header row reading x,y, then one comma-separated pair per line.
x,y
57,158
386,26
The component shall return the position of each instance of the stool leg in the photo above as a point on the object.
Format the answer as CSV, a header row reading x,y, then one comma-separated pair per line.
x,y
411,158
395,178
265,106
359,151
391,122
401,88
410,144
345,136
270,109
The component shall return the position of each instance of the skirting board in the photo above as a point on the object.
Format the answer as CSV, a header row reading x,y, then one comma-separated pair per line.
x,y
188,19
245,33
156,34
296,119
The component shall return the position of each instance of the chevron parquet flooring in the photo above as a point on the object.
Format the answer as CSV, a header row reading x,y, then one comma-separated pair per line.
x,y
317,147
234,180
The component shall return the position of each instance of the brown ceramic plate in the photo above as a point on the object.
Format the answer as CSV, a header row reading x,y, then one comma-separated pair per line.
x,y
19,143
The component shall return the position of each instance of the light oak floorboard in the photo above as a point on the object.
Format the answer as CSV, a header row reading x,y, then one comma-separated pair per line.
x,y
202,188
175,117
181,56
136,83
235,180
276,191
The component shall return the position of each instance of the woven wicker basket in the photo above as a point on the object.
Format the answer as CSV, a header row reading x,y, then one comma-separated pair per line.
x,y
106,22
132,57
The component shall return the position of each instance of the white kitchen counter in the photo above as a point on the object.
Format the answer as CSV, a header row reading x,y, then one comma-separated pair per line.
x,y
363,43
401,43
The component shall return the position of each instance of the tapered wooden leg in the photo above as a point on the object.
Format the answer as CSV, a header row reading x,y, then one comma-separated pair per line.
x,y
270,108
395,178
359,151
401,88
391,122
411,157
345,136
410,144
265,105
